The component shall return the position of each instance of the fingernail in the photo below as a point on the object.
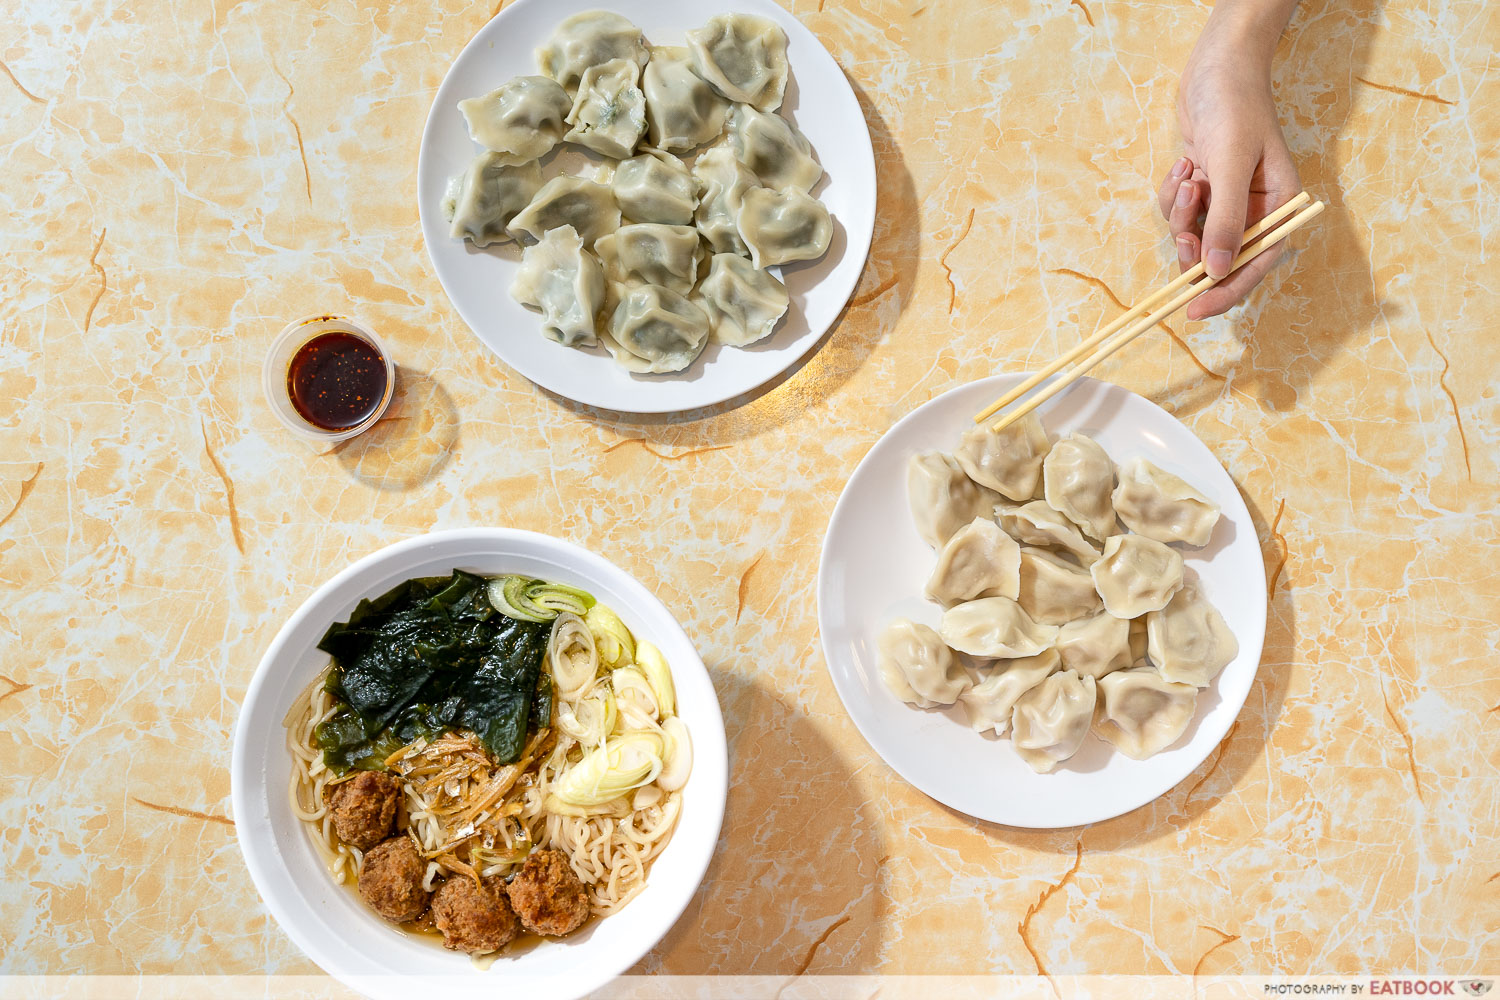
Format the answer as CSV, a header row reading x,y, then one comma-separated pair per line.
x,y
1185,194
1180,167
1217,263
1185,250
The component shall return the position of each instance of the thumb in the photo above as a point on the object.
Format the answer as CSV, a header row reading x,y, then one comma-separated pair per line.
x,y
1225,225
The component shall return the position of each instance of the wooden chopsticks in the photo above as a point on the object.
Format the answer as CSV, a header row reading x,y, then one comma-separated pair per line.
x,y
1152,309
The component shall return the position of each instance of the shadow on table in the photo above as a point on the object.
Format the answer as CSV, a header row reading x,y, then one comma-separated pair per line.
x,y
1323,297
797,883
888,277
411,443
1226,766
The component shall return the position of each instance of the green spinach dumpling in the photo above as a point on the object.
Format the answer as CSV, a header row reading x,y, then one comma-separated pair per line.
x,y
780,227
522,120
588,39
562,281
651,254
483,200
744,57
743,304
609,113
722,183
655,187
773,149
569,201
655,330
682,110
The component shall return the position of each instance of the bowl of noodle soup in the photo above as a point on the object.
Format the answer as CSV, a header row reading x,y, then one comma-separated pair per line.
x,y
646,856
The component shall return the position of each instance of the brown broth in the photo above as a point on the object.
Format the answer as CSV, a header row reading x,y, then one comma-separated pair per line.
x,y
336,380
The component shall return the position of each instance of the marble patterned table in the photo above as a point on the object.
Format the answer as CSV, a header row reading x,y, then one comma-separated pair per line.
x,y
181,179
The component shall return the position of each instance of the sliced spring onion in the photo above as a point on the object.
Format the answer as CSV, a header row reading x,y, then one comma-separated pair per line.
x,y
590,720
572,657
678,762
559,597
647,796
616,644
531,600
634,693
654,666
608,772
618,808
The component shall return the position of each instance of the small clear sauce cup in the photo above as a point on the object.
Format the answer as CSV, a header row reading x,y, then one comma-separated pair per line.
x,y
276,373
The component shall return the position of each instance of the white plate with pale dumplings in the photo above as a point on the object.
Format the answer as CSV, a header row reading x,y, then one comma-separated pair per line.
x,y
818,100
874,566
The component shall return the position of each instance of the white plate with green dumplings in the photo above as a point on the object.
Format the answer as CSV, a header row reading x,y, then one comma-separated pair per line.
x,y
875,564
818,100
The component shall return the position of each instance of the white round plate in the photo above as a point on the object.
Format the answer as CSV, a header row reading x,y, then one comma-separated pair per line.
x,y
819,101
329,922
874,566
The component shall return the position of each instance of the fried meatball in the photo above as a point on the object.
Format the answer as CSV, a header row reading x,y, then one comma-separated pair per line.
x,y
547,896
391,880
472,918
363,808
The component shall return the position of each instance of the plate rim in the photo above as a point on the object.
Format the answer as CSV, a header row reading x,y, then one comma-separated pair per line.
x,y
248,777
1000,383
795,352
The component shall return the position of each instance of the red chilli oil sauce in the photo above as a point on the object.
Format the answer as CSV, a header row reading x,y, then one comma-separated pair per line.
x,y
336,380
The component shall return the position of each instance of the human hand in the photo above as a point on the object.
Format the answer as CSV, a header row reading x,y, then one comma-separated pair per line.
x,y
1235,166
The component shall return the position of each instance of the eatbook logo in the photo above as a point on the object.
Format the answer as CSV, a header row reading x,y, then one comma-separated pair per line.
x,y
1477,987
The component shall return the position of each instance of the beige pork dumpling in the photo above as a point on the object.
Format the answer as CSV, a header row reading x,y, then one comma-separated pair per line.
x,y
1142,713
1034,523
989,703
1095,646
1136,574
1053,590
1078,477
979,560
942,498
995,627
918,666
1188,640
1051,720
1008,461
1159,505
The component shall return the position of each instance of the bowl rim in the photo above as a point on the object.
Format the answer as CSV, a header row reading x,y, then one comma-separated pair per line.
x,y
710,779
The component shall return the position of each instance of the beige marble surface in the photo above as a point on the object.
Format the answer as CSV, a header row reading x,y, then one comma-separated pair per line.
x,y
181,179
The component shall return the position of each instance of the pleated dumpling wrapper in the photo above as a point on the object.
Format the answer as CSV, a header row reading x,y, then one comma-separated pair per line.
x,y
1142,713
995,627
918,666
1188,640
1051,720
